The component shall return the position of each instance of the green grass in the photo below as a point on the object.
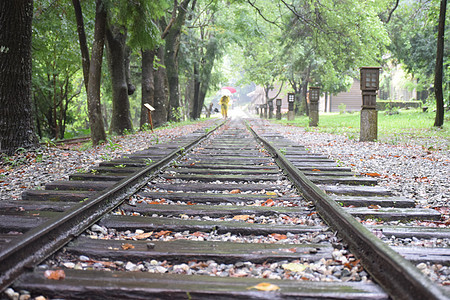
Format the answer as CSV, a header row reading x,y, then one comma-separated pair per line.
x,y
410,126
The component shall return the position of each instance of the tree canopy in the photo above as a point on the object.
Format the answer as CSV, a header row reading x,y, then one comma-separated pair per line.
x,y
181,52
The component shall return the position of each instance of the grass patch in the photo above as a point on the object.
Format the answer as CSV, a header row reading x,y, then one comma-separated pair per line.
x,y
409,126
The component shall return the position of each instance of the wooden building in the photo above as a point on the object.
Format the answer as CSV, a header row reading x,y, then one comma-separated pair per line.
x,y
351,99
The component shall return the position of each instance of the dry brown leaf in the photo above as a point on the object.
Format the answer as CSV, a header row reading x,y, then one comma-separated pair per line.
x,y
268,202
144,235
372,174
199,234
373,206
265,286
237,191
55,274
315,170
241,217
278,236
162,233
127,246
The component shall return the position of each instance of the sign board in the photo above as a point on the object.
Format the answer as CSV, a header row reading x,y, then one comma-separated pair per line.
x,y
149,107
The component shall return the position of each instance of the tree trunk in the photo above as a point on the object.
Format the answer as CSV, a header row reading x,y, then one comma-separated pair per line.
x,y
95,74
171,60
120,119
196,99
130,86
210,56
304,96
148,84
82,39
439,120
161,91
16,115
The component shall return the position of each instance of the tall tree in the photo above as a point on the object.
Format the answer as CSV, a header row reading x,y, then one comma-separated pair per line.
x,y
202,46
148,84
171,58
94,106
439,73
161,90
16,123
55,62
82,40
116,37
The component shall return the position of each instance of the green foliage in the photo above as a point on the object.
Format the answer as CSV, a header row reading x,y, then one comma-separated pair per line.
x,y
342,108
140,18
405,127
112,146
56,65
413,34
255,42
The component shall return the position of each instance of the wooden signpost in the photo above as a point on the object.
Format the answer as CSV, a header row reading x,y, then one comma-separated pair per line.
x,y
150,109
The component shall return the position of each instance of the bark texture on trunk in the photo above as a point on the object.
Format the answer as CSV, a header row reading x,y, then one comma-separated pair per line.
x,y
210,56
148,84
16,116
195,101
120,119
171,60
95,73
161,92
82,40
439,72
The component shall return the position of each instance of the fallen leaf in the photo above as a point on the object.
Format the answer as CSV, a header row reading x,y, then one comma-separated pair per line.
x,y
268,202
264,286
278,236
127,246
162,233
352,264
315,170
155,202
294,267
241,217
199,234
271,193
55,275
142,236
237,191
190,203
373,206
372,174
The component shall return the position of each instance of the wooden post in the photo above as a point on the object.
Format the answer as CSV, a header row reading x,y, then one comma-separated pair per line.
x,y
150,109
369,116
278,114
314,95
291,113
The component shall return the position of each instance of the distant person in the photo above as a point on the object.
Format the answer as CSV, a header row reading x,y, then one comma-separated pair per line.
x,y
224,105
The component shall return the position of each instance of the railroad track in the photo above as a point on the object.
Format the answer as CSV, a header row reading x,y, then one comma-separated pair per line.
x,y
147,226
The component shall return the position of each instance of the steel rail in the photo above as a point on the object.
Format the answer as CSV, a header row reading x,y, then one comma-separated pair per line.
x,y
396,275
37,244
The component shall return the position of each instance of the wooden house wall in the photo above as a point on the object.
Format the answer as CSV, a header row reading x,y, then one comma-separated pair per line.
x,y
352,99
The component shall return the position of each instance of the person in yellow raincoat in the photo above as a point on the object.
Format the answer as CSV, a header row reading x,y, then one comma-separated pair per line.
x,y
224,105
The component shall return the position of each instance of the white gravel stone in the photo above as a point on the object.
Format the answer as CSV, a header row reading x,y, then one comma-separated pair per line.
x,y
11,294
101,229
